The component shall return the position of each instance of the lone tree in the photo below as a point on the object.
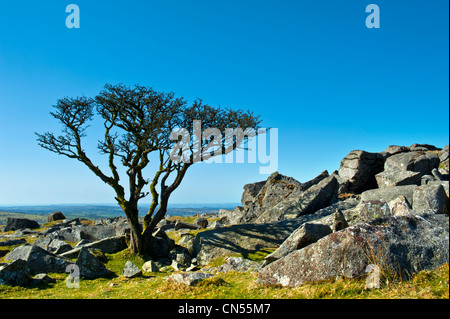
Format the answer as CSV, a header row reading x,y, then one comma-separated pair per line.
x,y
139,125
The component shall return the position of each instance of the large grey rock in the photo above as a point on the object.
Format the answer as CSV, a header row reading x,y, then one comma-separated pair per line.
x,y
13,223
359,169
12,242
367,210
160,244
303,236
388,194
109,245
430,199
305,202
187,241
238,215
90,267
390,178
395,149
405,243
250,193
68,233
421,162
444,184
247,238
38,259
55,216
182,225
15,273
97,232
423,147
52,245
400,207
243,238
276,198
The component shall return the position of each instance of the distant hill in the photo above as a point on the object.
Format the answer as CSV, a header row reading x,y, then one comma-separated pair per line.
x,y
40,213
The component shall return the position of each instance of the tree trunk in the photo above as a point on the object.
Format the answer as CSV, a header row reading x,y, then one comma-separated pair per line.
x,y
136,239
160,213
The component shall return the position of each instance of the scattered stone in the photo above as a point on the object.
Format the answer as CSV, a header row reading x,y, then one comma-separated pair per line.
x,y
40,279
13,223
238,264
130,270
190,279
181,256
55,216
150,266
181,225
202,222
12,242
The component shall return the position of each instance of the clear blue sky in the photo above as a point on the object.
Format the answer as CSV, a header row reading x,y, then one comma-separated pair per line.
x,y
312,69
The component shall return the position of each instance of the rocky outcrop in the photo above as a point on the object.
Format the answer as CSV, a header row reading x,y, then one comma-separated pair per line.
x,y
400,223
282,198
405,243
358,170
246,238
388,209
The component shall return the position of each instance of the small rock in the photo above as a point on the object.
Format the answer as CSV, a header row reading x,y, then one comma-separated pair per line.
x,y
55,216
42,279
131,270
190,279
202,222
400,207
150,266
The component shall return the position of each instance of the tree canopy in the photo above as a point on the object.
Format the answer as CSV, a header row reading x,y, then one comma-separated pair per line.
x,y
139,121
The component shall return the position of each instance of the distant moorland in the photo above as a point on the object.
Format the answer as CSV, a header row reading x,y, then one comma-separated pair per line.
x,y
92,211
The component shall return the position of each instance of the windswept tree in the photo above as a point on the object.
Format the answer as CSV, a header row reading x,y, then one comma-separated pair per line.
x,y
140,126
